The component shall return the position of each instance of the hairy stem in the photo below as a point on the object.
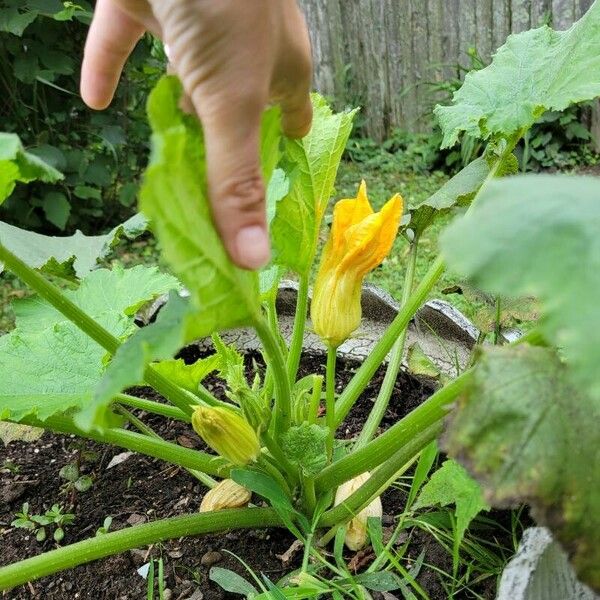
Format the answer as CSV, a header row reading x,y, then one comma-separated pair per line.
x,y
298,332
203,478
150,406
90,327
381,479
387,387
425,418
130,440
283,393
377,355
115,542
330,398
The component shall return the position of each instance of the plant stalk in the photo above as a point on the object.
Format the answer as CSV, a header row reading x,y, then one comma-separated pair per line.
x,y
89,326
150,406
378,482
377,355
425,418
298,331
115,542
283,393
330,398
203,478
391,374
130,440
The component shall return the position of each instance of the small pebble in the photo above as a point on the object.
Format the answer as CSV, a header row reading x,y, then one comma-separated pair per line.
x,y
211,558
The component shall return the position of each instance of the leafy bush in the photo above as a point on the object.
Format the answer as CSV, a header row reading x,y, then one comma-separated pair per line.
x,y
522,419
101,154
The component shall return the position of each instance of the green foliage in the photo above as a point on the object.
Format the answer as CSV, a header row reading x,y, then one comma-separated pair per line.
x,y
312,163
188,377
101,154
530,436
223,295
451,484
16,164
305,445
458,191
158,341
49,366
67,257
535,71
558,140
74,480
54,518
542,247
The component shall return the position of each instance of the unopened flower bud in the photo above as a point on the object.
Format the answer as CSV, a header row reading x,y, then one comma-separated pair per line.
x,y
356,530
228,433
226,494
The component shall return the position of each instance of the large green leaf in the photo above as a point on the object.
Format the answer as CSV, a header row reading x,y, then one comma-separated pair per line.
x,y
174,197
47,364
451,484
529,436
68,257
534,71
18,165
456,192
313,163
158,341
537,235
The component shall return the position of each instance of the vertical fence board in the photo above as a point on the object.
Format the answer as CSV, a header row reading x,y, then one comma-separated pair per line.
x,y
382,54
541,12
484,20
563,13
502,22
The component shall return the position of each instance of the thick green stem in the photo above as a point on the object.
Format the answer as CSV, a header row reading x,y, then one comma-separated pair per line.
x,y
310,497
71,311
207,480
298,332
425,418
362,377
377,355
150,406
387,387
382,478
115,542
283,393
315,399
184,457
54,296
330,398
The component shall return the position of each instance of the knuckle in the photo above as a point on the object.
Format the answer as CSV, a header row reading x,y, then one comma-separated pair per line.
x,y
245,195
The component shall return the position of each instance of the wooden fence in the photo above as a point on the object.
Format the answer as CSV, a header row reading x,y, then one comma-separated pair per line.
x,y
389,56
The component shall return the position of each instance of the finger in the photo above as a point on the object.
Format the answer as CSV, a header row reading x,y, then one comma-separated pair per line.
x,y
236,188
296,115
112,36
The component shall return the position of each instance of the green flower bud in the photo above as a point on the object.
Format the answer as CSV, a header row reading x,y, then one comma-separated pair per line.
x,y
226,432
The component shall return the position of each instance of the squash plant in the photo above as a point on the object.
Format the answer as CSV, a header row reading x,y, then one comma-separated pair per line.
x,y
523,419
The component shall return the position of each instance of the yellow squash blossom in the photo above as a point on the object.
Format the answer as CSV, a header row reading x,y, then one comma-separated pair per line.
x,y
359,241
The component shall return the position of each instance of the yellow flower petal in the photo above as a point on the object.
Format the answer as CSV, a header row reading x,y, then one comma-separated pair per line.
x,y
359,241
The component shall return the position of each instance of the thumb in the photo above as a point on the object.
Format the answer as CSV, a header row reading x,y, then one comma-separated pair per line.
x,y
235,184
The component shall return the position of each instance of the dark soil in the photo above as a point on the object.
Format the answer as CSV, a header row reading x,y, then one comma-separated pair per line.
x,y
142,489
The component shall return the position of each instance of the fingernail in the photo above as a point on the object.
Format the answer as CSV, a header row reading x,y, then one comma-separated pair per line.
x,y
253,247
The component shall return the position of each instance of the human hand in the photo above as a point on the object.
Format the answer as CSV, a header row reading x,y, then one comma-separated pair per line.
x,y
233,58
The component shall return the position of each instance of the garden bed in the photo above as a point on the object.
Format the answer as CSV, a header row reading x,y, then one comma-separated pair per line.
x,y
141,489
